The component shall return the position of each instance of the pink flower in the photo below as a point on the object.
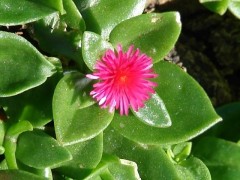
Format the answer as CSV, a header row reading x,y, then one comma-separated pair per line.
x,y
123,80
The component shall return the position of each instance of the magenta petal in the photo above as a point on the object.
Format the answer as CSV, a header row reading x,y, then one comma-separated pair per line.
x,y
123,80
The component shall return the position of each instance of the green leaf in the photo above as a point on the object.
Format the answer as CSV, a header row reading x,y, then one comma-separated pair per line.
x,y
189,108
46,172
18,175
222,158
2,150
234,7
93,48
39,150
53,37
217,6
76,117
229,128
154,34
114,168
86,154
73,18
3,165
179,152
10,141
103,15
22,11
22,67
2,132
154,113
152,161
124,169
33,105
193,168
55,4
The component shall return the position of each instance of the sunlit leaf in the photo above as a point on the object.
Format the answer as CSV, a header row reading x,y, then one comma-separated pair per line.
x,y
22,66
154,34
39,150
154,113
76,116
189,107
93,48
24,11
103,15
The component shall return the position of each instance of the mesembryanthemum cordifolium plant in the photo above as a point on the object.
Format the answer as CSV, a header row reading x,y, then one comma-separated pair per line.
x,y
85,93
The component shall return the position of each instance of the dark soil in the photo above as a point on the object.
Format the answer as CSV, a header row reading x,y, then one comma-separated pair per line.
x,y
209,48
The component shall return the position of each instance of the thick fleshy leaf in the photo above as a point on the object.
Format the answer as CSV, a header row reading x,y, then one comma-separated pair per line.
x,y
217,6
222,158
34,105
125,169
76,117
3,165
10,140
73,18
93,48
45,150
103,15
230,126
152,161
179,152
22,67
2,132
18,175
114,168
23,11
55,4
154,34
46,172
234,7
189,107
154,113
86,154
53,38
193,168
2,150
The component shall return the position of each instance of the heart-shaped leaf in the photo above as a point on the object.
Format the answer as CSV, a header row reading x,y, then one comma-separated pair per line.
x,y
103,15
93,48
154,113
22,67
23,11
154,34
76,117
189,107
46,151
